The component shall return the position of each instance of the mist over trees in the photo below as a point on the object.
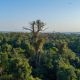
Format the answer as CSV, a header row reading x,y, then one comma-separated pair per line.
x,y
39,56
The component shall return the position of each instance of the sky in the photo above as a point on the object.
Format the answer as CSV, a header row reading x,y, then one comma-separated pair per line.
x,y
59,15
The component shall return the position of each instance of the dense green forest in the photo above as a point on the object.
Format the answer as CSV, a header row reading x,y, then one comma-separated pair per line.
x,y
39,56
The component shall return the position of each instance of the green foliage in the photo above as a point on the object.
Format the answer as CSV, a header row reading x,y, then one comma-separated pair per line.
x,y
58,57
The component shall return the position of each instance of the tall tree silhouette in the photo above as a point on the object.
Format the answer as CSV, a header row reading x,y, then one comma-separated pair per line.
x,y
36,40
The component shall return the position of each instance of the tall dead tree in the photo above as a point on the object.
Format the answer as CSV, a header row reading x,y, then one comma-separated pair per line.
x,y
36,41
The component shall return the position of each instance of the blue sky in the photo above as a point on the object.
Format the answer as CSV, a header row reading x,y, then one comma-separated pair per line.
x,y
59,15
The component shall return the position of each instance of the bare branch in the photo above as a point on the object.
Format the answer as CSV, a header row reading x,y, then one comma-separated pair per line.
x,y
27,29
44,29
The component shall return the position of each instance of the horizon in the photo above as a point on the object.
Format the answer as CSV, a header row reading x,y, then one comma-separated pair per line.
x,y
41,32
59,15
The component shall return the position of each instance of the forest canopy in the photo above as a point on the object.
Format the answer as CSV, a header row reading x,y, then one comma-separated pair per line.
x,y
39,56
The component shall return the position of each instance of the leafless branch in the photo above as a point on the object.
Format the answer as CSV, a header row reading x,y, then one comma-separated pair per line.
x,y
44,29
27,29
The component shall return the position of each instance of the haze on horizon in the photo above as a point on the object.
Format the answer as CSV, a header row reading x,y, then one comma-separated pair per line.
x,y
59,15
